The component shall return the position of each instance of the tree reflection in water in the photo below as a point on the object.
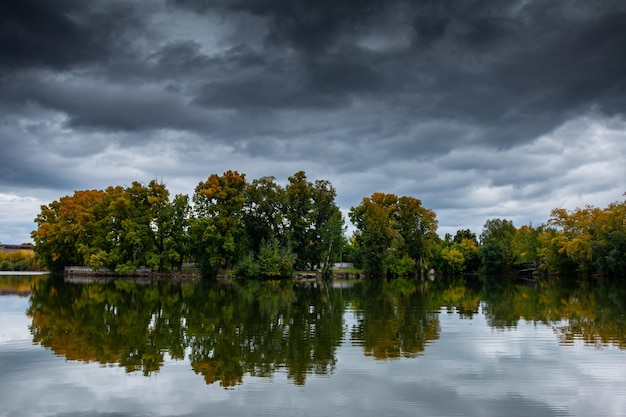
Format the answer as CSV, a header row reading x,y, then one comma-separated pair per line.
x,y
228,330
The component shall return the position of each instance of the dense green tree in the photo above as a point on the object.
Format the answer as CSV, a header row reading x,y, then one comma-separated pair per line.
x,y
160,223
178,242
298,212
526,243
496,249
459,254
609,243
137,236
275,261
264,212
393,234
217,226
105,248
313,221
417,226
271,261
464,234
374,231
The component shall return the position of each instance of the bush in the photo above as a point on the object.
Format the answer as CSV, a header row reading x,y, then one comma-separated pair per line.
x,y
402,267
272,261
247,267
127,268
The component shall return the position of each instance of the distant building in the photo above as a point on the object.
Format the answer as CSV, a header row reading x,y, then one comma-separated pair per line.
x,y
15,248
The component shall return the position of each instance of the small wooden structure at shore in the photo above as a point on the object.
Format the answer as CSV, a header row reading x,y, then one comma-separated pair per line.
x,y
526,268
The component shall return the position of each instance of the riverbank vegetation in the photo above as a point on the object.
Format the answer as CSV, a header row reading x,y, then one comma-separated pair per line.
x,y
21,260
261,228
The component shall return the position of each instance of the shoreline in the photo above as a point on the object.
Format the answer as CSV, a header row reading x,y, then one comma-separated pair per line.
x,y
81,274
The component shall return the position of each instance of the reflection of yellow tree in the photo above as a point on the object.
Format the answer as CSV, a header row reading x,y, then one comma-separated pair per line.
x,y
19,284
458,296
594,315
591,312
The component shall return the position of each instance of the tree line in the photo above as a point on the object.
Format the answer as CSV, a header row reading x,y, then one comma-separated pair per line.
x,y
260,228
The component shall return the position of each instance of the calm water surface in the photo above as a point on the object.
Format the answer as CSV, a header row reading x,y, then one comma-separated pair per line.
x,y
400,348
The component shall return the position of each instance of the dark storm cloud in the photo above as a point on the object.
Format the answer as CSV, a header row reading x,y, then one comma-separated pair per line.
x,y
288,85
514,69
59,34
42,34
311,26
111,108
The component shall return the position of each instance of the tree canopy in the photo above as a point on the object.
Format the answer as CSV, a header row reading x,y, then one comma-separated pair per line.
x,y
393,234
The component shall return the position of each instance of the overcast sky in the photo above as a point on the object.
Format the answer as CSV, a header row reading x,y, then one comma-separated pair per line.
x,y
481,109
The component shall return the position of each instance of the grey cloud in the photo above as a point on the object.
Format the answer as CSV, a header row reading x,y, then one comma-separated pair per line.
x,y
184,62
62,34
441,400
24,165
312,26
497,67
88,104
287,83
36,34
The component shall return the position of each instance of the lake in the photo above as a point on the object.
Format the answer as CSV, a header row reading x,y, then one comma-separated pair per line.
x,y
454,347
